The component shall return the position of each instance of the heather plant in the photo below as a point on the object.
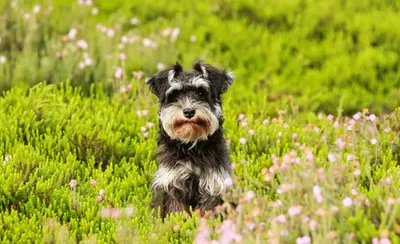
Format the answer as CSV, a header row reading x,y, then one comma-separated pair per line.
x,y
311,163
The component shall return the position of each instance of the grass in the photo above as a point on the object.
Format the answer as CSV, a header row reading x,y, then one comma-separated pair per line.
x,y
311,164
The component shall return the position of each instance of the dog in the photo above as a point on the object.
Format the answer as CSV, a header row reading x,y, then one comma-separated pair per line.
x,y
192,156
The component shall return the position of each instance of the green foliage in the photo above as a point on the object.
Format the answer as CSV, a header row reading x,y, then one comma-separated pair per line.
x,y
317,53
78,129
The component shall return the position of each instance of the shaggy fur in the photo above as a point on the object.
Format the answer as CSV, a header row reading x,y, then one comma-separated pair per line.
x,y
193,161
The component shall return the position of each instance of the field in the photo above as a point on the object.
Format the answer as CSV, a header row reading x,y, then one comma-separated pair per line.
x,y
312,121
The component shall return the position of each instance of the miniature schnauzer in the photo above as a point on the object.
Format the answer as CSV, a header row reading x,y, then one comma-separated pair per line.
x,y
193,161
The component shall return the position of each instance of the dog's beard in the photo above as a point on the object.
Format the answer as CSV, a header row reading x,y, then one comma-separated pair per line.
x,y
203,124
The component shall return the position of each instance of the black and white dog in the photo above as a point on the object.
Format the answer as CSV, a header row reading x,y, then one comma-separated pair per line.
x,y
193,161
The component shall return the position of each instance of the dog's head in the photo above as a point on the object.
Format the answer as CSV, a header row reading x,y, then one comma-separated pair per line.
x,y
190,100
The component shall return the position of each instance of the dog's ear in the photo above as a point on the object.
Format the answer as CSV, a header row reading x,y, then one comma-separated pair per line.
x,y
221,79
159,83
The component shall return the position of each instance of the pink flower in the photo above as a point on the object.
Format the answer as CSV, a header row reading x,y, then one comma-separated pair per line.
x,y
229,234
122,56
203,234
357,172
371,117
316,129
160,66
118,73
145,112
357,116
146,134
249,195
303,240
228,181
174,34
351,122
110,33
95,11
115,213
102,192
251,132
82,44
330,117
285,125
93,182
3,59
295,210
137,74
241,117
374,141
336,124
36,9
350,157
105,212
242,140
331,158
386,130
228,142
279,134
134,21
281,219
294,136
313,224
72,33
347,202
166,31
73,183
149,124
99,198
265,122
129,211
143,129
244,124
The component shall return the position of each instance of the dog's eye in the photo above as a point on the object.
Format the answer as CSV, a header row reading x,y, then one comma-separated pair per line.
x,y
200,93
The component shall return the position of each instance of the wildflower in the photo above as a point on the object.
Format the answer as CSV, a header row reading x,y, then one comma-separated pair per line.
x,y
374,141
249,195
81,65
316,129
352,236
110,33
279,134
228,142
334,209
193,38
129,211
149,124
134,21
242,140
88,2
285,125
203,234
99,198
93,182
351,122
118,73
160,66
241,117
331,158
350,157
265,122
317,194
371,117
105,212
229,233
281,219
347,202
122,56
72,33
336,124
145,112
386,130
102,192
388,180
295,210
73,183
354,192
36,9
303,240
228,181
6,159
115,213
82,44
95,11
143,129
357,116
244,124
27,16
294,136
137,74
313,224
330,117
332,234
174,34
309,155
251,132
350,128
166,31
146,134
3,59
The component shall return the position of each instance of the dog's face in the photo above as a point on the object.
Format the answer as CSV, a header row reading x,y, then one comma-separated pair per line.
x,y
190,100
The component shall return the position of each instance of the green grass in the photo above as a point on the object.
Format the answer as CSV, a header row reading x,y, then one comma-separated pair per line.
x,y
296,62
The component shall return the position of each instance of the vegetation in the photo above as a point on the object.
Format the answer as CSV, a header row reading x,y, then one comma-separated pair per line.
x,y
312,121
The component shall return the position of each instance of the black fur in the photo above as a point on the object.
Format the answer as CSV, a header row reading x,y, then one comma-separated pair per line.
x,y
210,154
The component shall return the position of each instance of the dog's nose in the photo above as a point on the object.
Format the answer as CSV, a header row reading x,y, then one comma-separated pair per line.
x,y
189,112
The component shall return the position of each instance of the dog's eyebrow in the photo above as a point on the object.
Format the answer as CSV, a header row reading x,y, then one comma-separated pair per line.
x,y
174,85
198,81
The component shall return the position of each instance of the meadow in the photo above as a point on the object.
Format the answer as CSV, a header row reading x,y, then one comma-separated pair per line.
x,y
312,121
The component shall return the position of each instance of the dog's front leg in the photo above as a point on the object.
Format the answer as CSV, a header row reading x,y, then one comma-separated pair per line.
x,y
208,203
173,202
